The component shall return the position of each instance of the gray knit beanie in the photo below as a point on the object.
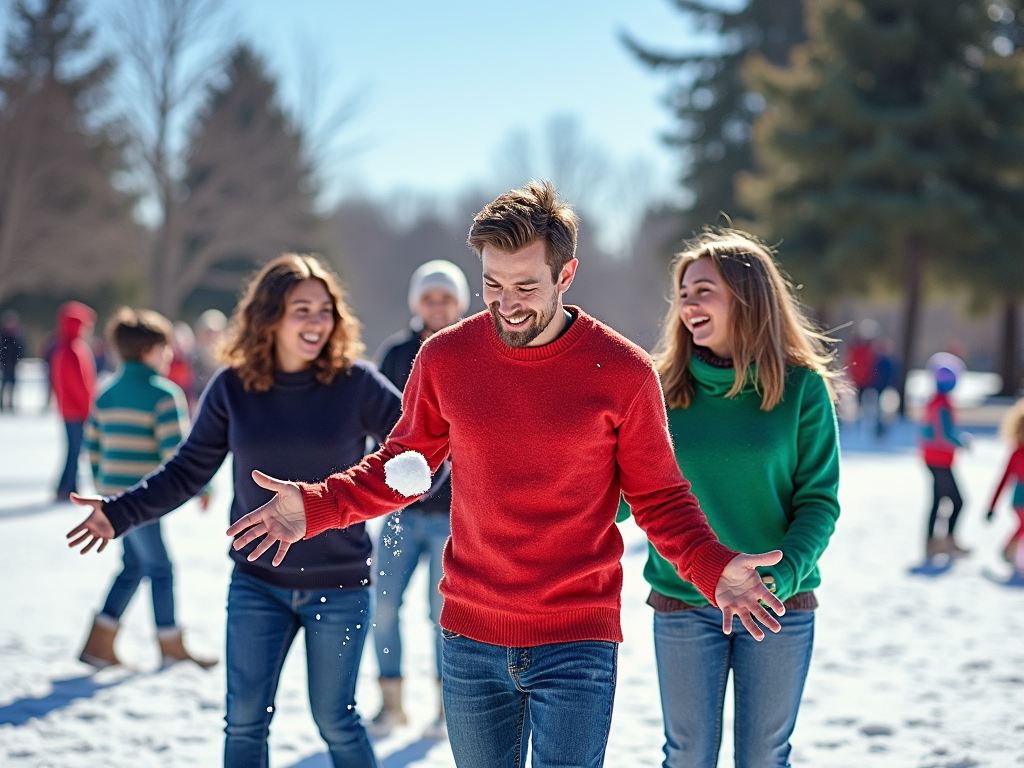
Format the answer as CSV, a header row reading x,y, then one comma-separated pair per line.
x,y
438,274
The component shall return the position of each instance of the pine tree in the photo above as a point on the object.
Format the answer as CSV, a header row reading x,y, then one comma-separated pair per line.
x,y
249,191
712,106
892,148
62,224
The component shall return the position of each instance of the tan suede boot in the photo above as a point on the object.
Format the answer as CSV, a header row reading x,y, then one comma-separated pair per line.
x,y
172,649
934,547
391,712
99,648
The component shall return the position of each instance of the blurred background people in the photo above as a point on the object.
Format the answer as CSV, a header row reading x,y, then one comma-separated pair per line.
x,y
183,363
939,442
1013,432
135,425
73,378
438,297
12,350
209,332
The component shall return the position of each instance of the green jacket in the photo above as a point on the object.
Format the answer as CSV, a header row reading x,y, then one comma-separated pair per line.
x,y
765,480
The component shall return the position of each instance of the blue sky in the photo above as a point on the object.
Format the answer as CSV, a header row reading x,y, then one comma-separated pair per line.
x,y
444,83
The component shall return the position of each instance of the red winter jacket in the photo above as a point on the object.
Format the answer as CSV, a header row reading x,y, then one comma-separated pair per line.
x,y
72,368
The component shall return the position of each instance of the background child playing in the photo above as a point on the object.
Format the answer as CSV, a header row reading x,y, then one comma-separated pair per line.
x,y
1013,431
939,441
135,425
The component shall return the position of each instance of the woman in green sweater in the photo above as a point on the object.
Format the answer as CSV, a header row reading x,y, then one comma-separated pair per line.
x,y
748,386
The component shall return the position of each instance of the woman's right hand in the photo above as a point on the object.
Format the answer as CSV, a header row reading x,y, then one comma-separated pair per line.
x,y
95,529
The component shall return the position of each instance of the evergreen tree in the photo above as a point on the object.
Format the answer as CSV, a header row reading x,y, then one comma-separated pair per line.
x,y
892,148
249,191
62,225
712,106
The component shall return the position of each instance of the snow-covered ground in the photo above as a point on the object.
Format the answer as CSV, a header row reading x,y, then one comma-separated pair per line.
x,y
909,671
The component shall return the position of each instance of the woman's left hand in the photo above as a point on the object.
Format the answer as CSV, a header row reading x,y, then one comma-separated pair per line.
x,y
740,592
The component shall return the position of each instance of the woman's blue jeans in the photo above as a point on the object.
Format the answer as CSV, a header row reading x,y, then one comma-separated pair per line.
x,y
262,622
144,555
694,657
498,699
420,534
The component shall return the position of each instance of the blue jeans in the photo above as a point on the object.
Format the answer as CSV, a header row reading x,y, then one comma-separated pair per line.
x,y
144,555
496,699
694,658
262,622
420,534
69,478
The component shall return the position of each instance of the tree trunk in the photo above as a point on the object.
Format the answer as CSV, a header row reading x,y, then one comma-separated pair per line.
x,y
914,267
1008,367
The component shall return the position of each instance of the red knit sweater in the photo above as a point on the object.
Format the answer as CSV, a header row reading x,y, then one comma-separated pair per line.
x,y
542,439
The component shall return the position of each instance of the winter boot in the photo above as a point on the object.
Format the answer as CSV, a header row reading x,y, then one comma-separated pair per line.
x,y
438,730
391,713
172,649
933,547
953,550
99,648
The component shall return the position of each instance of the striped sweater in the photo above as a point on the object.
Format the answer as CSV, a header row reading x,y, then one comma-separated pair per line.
x,y
135,426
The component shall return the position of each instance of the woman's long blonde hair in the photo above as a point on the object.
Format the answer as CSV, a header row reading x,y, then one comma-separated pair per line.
x,y
1012,428
769,329
249,347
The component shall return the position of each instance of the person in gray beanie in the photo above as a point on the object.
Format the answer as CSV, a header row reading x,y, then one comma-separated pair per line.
x,y
438,297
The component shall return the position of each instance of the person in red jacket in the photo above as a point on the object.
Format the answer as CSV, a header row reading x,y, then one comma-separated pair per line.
x,y
939,442
1013,431
547,415
73,377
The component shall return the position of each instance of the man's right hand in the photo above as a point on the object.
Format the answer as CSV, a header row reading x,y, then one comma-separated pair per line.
x,y
282,519
95,529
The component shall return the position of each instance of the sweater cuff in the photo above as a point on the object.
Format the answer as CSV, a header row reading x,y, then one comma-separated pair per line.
x,y
708,564
321,509
118,519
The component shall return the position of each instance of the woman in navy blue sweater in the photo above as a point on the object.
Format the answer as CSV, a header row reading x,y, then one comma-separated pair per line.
x,y
294,401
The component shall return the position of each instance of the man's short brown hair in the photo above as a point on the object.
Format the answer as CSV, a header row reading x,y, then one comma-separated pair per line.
x,y
524,215
134,332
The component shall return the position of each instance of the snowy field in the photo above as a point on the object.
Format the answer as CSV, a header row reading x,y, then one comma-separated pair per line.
x,y
909,671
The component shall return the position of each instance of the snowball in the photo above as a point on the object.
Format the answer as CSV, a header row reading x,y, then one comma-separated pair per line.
x,y
408,473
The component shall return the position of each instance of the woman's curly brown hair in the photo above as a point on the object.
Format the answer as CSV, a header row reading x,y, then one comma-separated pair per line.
x,y
249,347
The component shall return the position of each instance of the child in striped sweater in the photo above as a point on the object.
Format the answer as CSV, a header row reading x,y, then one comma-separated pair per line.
x,y
135,426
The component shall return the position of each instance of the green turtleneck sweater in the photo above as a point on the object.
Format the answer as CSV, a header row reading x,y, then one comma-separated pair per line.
x,y
765,480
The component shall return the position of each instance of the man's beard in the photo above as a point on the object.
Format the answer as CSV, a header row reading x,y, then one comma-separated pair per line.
x,y
533,327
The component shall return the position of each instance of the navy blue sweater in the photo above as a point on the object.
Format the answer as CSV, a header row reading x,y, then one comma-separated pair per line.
x,y
298,430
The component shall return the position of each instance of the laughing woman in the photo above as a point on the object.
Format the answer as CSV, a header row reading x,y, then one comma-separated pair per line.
x,y
748,386
295,401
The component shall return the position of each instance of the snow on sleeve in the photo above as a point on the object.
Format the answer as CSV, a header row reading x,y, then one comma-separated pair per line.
x,y
408,473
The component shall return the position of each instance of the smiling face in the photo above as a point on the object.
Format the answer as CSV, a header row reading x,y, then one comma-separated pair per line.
x,y
306,326
525,304
705,304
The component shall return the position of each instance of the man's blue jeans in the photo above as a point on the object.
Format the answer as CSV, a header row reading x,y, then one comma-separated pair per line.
x,y
420,534
262,622
694,657
497,699
144,555
69,477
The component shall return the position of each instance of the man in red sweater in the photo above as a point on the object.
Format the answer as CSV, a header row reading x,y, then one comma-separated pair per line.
x,y
73,377
547,415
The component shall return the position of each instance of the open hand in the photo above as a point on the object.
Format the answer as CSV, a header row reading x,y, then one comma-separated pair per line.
x,y
281,520
95,529
740,593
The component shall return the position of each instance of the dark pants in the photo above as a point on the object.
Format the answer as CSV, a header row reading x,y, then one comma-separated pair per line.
x,y
69,478
7,393
945,488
